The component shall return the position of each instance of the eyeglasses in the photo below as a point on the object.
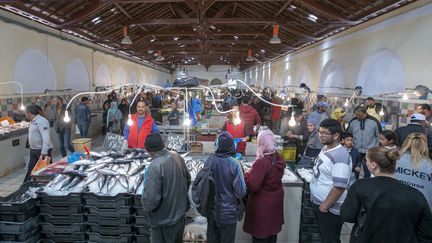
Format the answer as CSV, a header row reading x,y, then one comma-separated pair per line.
x,y
324,133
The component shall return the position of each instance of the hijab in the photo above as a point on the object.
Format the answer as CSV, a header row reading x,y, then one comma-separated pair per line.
x,y
266,143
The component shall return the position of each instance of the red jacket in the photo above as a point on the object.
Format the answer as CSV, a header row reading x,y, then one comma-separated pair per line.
x,y
276,110
136,140
237,132
249,116
264,209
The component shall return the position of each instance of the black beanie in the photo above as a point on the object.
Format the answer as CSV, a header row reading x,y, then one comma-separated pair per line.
x,y
154,142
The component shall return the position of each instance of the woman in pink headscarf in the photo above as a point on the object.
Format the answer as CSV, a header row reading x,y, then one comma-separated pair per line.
x,y
264,208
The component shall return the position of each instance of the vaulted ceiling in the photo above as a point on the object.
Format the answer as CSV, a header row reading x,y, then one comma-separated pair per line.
x,y
202,32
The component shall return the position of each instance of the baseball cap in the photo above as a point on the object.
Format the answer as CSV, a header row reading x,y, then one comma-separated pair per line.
x,y
337,113
417,117
321,104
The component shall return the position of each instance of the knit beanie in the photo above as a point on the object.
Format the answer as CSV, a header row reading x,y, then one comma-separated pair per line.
x,y
154,142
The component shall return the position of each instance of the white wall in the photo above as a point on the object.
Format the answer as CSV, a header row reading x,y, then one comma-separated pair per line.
x,y
214,72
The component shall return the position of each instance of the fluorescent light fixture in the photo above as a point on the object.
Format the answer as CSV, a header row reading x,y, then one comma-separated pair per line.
x,y
263,51
312,17
152,40
176,38
235,37
292,7
95,19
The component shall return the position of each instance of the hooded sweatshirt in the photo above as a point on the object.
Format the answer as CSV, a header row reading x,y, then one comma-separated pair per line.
x,y
114,113
250,117
230,187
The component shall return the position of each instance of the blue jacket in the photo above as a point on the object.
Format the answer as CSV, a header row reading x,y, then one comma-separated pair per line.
x,y
82,114
355,158
230,187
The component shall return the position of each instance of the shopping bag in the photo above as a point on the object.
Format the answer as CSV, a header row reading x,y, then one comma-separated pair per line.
x,y
42,163
77,131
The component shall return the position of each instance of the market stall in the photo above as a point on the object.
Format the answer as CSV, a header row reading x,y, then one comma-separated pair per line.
x,y
13,138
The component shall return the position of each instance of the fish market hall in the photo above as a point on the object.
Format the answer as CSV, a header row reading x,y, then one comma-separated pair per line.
x,y
216,121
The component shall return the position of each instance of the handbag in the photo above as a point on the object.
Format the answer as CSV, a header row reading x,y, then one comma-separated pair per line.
x,y
246,197
358,227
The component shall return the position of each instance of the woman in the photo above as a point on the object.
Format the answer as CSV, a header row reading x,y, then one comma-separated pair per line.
x,y
339,115
388,139
114,117
264,208
124,108
384,209
415,167
104,118
313,146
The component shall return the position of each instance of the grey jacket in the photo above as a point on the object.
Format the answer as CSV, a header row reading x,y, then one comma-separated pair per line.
x,y
59,123
419,178
166,186
82,114
39,134
365,132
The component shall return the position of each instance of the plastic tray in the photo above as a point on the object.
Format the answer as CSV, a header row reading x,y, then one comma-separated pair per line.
x,y
137,201
111,230
109,221
309,228
306,193
142,220
143,238
61,211
308,219
307,202
66,237
18,228
72,199
34,238
63,229
307,211
122,199
142,230
20,217
310,238
70,219
124,238
20,237
18,207
140,211
111,212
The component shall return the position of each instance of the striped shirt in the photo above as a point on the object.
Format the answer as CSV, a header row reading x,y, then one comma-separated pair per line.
x,y
332,168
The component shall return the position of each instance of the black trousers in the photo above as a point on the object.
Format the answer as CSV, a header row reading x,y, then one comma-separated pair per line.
x,y
366,171
329,225
270,239
168,234
33,159
220,233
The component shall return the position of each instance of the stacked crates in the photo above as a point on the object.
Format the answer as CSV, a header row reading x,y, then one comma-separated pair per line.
x,y
63,218
142,223
19,217
309,232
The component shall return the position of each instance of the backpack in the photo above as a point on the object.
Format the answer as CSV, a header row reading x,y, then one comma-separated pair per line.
x,y
203,190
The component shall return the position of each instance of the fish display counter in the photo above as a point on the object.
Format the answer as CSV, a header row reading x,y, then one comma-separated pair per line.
x,y
13,140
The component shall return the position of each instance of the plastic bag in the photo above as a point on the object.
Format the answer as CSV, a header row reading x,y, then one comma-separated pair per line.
x,y
77,131
42,163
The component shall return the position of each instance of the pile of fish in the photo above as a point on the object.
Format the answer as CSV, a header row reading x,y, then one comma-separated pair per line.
x,y
13,127
196,229
30,193
305,174
194,166
105,173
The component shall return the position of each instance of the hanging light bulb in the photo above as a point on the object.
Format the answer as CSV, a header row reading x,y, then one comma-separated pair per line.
x,y
187,122
66,117
237,119
129,121
381,113
292,122
346,103
404,96
22,107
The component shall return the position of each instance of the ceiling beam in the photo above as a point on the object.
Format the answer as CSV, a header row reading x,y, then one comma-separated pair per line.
x,y
323,9
87,11
206,6
192,5
182,21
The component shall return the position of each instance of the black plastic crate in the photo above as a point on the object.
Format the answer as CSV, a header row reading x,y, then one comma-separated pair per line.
x,y
142,229
18,227
71,199
140,211
308,219
122,199
61,211
32,239
81,236
69,219
309,228
143,238
111,230
7,206
137,201
142,220
124,238
307,211
111,212
20,217
310,238
20,237
109,221
306,193
307,202
63,229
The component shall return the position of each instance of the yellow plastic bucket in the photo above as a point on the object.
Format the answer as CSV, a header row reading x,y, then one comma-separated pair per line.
x,y
79,144
289,153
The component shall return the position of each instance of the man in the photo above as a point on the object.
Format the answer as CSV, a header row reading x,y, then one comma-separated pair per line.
x,y
165,193
374,108
276,115
156,106
331,174
83,117
142,126
39,138
417,124
425,110
230,188
63,129
321,113
236,127
249,116
366,130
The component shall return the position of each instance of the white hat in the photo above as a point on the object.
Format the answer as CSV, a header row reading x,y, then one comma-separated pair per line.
x,y
418,117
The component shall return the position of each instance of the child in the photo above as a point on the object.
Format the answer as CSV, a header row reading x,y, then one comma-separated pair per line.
x,y
347,142
174,116
388,139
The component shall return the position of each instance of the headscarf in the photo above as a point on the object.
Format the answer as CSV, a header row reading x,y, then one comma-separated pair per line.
x,y
225,145
337,113
113,112
266,143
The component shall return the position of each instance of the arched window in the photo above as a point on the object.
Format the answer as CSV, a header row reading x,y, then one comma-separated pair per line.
x,y
103,76
120,76
77,77
331,76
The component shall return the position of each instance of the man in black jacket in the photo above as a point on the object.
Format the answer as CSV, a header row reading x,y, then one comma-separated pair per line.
x,y
165,193
417,124
63,129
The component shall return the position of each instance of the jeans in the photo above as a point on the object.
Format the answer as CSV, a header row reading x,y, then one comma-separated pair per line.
x,y
33,159
220,233
329,225
276,124
270,239
366,171
168,234
64,137
83,128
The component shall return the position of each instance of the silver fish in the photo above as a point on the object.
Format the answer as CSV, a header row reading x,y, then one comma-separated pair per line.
x,y
124,181
84,162
111,183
